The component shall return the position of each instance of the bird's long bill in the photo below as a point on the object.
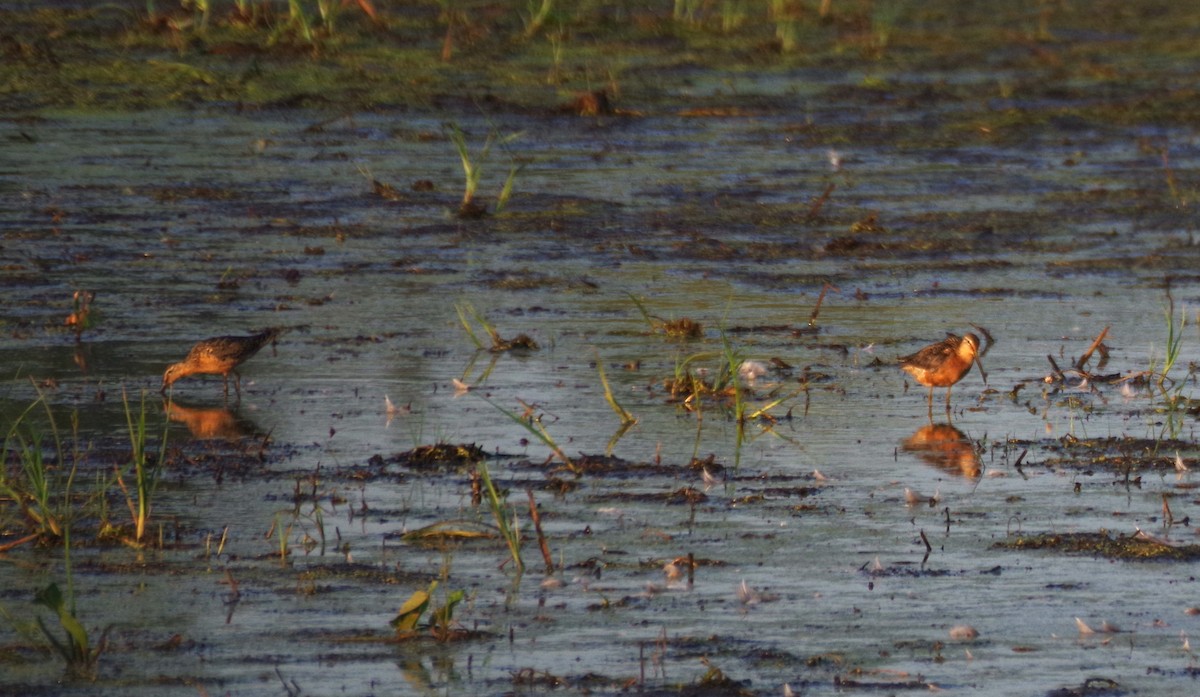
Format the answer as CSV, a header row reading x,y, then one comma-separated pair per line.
x,y
981,371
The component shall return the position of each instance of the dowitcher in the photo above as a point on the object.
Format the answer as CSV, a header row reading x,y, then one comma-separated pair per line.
x,y
219,355
942,364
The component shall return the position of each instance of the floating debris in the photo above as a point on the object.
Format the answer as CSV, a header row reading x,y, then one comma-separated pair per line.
x,y
749,596
750,371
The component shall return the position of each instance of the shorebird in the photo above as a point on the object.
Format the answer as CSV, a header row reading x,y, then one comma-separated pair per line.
x,y
942,364
219,355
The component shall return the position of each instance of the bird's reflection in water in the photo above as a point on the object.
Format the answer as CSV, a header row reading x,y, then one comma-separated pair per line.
x,y
946,448
82,357
209,423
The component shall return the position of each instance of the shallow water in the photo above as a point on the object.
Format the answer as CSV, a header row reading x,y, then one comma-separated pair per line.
x,y
190,225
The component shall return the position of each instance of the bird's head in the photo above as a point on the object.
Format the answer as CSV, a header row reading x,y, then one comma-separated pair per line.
x,y
968,347
173,373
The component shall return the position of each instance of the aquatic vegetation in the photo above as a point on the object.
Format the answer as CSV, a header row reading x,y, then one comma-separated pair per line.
x,y
715,681
498,344
733,363
445,531
678,329
209,552
733,367
473,169
405,622
884,22
690,385
309,22
75,647
33,491
314,517
1174,340
42,496
1170,388
538,12
627,419
283,533
787,18
298,21
509,527
682,328
536,428
146,471
329,10
101,61
441,620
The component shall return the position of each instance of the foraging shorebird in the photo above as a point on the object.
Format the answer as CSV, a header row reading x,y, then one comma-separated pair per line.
x,y
942,364
219,355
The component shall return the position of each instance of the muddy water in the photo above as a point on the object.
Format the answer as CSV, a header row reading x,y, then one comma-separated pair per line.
x,y
190,225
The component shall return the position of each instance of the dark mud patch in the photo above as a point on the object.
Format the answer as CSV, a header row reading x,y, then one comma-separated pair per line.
x,y
1094,687
905,570
360,573
436,457
682,496
1118,455
614,467
526,279
245,459
1135,547
424,640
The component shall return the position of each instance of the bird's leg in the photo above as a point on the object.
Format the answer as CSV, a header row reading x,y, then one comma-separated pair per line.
x,y
237,384
948,401
930,405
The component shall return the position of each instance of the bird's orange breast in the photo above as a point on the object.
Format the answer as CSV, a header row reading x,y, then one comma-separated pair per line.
x,y
943,374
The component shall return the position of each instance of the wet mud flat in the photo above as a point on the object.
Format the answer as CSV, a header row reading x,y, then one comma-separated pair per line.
x,y
734,262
